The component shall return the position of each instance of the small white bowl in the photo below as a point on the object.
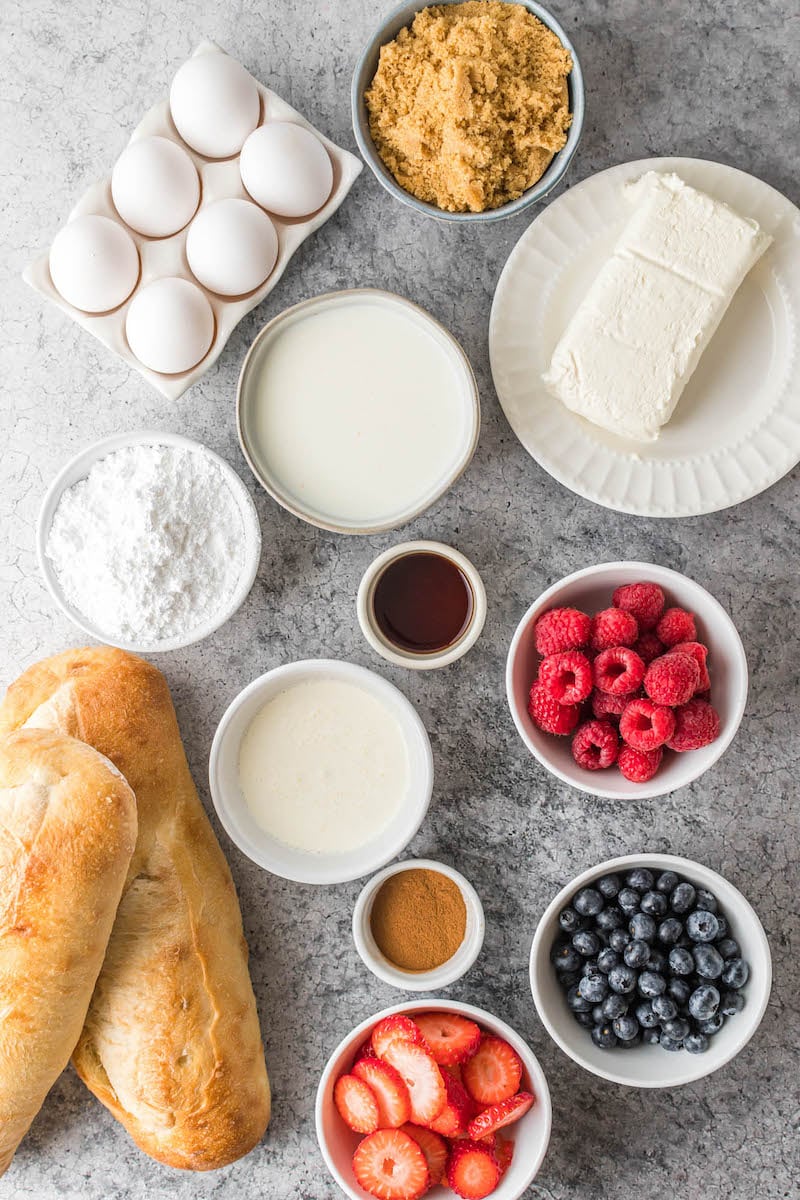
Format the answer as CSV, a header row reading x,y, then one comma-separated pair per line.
x,y
78,468
407,658
650,1066
270,853
591,590
531,1134
419,981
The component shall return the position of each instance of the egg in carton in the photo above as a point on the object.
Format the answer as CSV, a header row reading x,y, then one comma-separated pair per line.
x,y
162,259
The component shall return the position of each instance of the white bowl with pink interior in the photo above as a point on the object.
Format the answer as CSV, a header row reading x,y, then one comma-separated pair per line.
x,y
590,591
531,1134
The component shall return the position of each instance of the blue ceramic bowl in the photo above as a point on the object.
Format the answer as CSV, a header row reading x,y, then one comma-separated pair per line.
x,y
364,73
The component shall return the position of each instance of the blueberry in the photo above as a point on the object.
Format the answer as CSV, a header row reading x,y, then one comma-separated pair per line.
x,y
712,1025
609,886
585,1019
588,902
731,1002
646,1015
640,878
610,919
670,931
628,900
667,882
577,1002
568,978
682,898
651,984
643,927
669,1043
695,1043
636,953
728,948
626,1028
702,925
704,1002
708,962
569,920
564,957
680,961
677,1028
656,962
604,1036
622,979
651,1037
598,1016
736,973
679,991
654,903
593,988
629,1043
586,943
664,1008
723,925
614,1006
706,901
618,939
607,959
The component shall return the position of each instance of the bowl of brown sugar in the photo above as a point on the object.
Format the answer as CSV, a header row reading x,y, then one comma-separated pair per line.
x,y
418,925
468,110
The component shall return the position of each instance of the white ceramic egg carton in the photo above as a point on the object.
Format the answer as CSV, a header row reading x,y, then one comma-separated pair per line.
x,y
167,256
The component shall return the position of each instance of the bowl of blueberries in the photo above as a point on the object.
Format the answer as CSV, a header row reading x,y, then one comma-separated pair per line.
x,y
650,970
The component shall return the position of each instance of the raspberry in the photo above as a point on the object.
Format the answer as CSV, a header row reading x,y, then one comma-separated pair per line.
x,y
566,677
595,745
606,706
696,724
645,725
699,652
561,629
619,671
613,627
644,600
672,679
639,765
549,715
676,625
649,647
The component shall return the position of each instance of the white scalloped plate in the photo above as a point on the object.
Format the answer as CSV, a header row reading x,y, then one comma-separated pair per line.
x,y
736,430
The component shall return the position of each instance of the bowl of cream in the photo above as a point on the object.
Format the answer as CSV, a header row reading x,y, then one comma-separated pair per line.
x,y
321,771
356,410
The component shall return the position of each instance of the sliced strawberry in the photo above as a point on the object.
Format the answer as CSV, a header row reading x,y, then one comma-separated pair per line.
x,y
356,1103
422,1077
504,1113
452,1039
396,1029
394,1103
457,1112
390,1164
503,1152
472,1171
433,1147
494,1073
365,1050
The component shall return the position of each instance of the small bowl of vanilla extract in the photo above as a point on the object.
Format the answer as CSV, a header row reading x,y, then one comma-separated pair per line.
x,y
421,605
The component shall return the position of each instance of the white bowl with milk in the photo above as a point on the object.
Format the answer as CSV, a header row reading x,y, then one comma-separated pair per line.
x,y
321,771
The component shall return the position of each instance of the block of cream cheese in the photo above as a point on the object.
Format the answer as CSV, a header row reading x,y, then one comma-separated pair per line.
x,y
637,336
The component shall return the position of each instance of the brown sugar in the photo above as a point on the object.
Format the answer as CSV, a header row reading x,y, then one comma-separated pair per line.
x,y
418,919
470,103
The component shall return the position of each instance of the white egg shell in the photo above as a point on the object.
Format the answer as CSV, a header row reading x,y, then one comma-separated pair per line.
x,y
286,169
155,187
214,104
231,246
94,263
170,325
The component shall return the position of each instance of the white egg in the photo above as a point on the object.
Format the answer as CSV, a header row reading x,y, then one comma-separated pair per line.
x,y
155,187
170,325
94,263
231,247
214,104
286,169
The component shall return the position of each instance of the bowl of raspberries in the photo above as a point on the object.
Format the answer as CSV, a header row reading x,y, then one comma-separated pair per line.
x,y
433,1099
650,970
626,680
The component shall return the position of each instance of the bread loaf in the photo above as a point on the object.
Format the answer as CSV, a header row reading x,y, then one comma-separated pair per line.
x,y
67,833
171,1043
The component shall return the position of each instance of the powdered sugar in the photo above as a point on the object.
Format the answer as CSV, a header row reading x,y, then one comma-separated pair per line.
x,y
151,544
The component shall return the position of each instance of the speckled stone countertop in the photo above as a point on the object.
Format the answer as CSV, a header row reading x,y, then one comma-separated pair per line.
x,y
714,80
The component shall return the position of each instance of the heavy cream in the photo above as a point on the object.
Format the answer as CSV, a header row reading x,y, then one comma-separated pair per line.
x,y
323,767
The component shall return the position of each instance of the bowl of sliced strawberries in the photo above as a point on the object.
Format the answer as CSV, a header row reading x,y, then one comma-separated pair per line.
x,y
433,1099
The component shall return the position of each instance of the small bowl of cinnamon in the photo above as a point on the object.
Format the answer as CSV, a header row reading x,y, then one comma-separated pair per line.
x,y
418,925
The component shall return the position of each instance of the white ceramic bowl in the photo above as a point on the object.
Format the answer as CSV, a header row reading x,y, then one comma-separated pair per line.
x,y
406,658
421,981
650,1066
591,590
531,1134
276,856
78,468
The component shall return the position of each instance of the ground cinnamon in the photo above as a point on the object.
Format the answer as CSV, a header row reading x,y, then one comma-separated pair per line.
x,y
418,919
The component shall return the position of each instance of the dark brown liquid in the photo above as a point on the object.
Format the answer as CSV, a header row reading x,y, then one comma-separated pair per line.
x,y
422,602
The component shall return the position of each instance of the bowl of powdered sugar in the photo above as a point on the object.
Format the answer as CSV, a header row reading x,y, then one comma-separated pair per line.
x,y
148,541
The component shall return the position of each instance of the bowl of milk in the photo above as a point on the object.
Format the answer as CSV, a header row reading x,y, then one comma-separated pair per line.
x,y
321,771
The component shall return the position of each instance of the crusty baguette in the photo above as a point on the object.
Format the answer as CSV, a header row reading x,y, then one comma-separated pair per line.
x,y
67,833
171,1044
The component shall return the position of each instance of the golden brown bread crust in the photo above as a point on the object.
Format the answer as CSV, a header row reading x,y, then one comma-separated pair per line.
x,y
171,1044
67,833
